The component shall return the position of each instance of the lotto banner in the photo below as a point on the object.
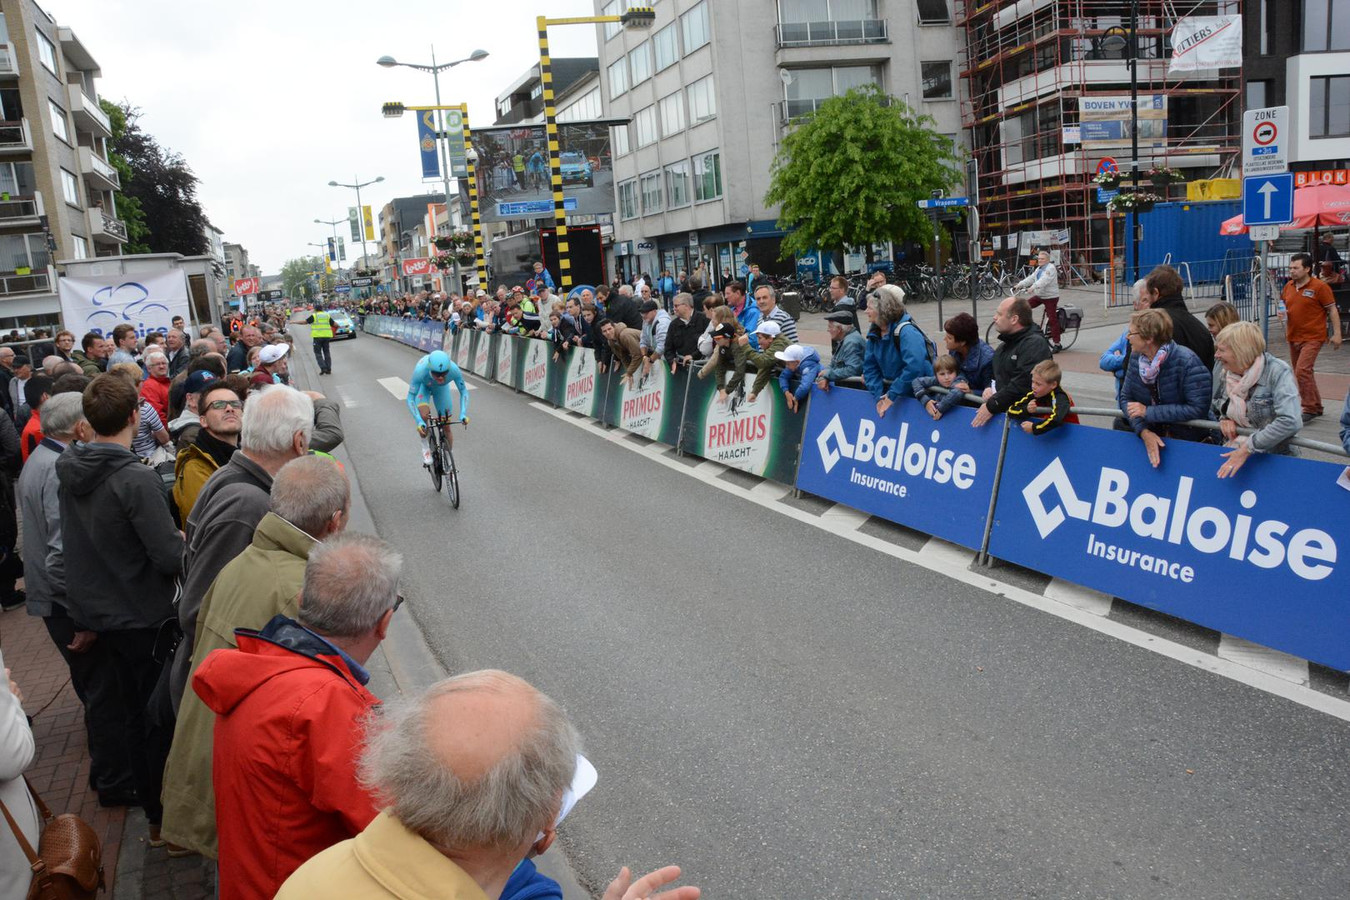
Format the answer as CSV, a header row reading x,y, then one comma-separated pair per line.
x,y
932,476
759,436
1256,555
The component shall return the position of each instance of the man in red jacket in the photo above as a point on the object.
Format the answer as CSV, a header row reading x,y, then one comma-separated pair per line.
x,y
289,704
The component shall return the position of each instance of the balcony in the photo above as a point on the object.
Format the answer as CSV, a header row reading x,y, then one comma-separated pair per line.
x,y
831,33
15,137
89,116
33,283
18,211
9,63
99,171
104,229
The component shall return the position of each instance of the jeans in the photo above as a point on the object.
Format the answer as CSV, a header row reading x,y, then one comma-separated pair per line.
x,y
1302,358
1051,305
322,356
122,682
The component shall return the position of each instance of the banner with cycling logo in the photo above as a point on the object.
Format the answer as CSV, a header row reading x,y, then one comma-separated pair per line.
x,y
934,477
1257,556
759,436
482,356
640,405
463,348
505,355
580,383
535,357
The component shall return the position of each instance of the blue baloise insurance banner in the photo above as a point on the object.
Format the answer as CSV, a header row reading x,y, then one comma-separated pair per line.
x,y
1258,556
933,476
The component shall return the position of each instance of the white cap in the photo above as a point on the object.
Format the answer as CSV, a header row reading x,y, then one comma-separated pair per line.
x,y
768,327
272,352
791,354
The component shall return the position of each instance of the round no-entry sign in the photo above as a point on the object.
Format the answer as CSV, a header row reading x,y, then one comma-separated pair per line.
x,y
1264,133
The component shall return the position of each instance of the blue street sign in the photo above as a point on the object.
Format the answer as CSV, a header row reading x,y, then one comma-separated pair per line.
x,y
1268,199
944,202
1104,195
524,208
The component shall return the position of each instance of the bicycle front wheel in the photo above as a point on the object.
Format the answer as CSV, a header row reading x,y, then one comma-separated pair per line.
x,y
451,476
436,467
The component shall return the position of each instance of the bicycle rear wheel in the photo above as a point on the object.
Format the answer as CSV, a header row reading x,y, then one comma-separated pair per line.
x,y
451,476
436,469
1067,335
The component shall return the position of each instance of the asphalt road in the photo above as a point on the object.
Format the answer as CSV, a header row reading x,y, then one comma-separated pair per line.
x,y
786,713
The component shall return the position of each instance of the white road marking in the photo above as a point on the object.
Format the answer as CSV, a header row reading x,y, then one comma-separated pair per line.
x,y
1265,659
347,401
944,564
399,388
1084,598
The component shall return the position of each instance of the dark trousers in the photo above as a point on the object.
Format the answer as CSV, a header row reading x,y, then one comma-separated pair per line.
x,y
1051,305
322,356
123,682
109,765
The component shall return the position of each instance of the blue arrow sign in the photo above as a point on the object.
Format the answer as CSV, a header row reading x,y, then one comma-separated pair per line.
x,y
1268,199
944,202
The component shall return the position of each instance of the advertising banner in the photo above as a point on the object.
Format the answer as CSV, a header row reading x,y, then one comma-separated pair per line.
x,y
759,437
1206,42
644,407
534,377
418,266
482,356
513,170
506,360
369,219
426,144
580,383
934,477
99,303
354,220
1257,556
1104,121
243,287
464,347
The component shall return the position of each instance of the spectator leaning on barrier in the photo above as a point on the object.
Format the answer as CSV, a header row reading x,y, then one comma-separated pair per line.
x,y
623,345
1345,425
848,350
897,351
974,357
311,502
729,357
1165,384
771,338
1046,402
1021,346
801,365
685,328
1252,389
1309,306
122,554
290,701
655,332
621,307
1162,290
472,776
947,374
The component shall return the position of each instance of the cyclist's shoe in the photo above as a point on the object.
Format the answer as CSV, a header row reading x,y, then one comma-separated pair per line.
x,y
426,457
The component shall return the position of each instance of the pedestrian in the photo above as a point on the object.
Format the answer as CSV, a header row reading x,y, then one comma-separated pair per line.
x,y
766,299
124,345
1042,288
17,752
684,331
1309,307
1165,384
1021,346
1046,406
155,387
897,350
1252,389
90,357
801,365
216,440
947,374
1220,316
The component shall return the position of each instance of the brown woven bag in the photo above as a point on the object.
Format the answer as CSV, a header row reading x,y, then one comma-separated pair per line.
x,y
68,863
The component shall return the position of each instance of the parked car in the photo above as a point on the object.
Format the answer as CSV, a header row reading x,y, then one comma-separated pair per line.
x,y
576,168
343,326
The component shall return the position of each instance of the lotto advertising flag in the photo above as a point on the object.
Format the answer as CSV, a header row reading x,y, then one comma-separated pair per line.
x,y
426,144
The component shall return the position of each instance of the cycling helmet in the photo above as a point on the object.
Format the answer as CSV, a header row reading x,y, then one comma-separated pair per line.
x,y
438,362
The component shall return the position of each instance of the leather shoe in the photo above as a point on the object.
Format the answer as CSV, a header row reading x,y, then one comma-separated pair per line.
x,y
119,798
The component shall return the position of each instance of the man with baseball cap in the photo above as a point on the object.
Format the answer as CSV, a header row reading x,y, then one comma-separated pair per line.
x,y
272,360
655,325
801,365
183,430
771,341
847,349
729,357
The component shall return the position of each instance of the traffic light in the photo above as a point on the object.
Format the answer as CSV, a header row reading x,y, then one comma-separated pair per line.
x,y
392,110
638,17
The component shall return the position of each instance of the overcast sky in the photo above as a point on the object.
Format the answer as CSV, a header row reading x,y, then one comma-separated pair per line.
x,y
269,101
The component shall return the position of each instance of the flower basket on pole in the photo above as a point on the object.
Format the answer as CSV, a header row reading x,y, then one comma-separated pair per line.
x,y
1133,201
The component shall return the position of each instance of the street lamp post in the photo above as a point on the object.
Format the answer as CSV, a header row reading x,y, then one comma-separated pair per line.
x,y
1134,131
442,132
356,185
323,253
334,224
636,17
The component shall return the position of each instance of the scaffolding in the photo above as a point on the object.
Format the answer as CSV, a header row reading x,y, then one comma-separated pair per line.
x,y
1046,100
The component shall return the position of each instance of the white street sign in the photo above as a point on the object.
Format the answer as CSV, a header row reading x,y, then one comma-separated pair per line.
x,y
1265,140
1260,233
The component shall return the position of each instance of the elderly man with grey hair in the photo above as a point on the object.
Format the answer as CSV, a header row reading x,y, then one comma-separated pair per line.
x,y
289,703
278,422
311,501
473,777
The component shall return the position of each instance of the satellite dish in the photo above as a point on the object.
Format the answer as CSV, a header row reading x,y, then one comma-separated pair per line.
x,y
785,76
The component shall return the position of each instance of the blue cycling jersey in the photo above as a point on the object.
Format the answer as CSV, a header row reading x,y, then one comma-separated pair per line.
x,y
422,386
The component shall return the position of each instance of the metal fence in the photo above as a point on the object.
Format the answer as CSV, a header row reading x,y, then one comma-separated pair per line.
x,y
1205,279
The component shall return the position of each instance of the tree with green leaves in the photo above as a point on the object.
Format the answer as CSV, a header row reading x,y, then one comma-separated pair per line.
x,y
128,207
853,172
295,275
162,185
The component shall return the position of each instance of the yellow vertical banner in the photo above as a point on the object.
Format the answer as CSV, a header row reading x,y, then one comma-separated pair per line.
x,y
370,223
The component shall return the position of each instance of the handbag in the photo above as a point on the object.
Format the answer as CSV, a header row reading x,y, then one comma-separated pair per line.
x,y
68,862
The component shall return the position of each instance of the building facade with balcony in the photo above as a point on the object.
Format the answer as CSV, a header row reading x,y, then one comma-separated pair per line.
x,y
709,90
56,184
400,219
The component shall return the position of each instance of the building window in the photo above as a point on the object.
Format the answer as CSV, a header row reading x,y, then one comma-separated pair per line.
x,y
652,194
47,53
1258,94
702,100
708,176
644,127
70,188
805,22
934,12
1326,25
59,126
611,9
666,45
806,89
677,184
695,27
619,137
937,80
1329,107
585,107
618,78
18,251
17,179
672,114
81,246
640,62
628,199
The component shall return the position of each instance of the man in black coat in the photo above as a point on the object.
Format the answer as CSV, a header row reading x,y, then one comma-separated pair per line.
x,y
621,307
1021,347
683,334
1162,290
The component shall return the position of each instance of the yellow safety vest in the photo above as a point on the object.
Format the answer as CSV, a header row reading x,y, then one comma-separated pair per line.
x,y
323,326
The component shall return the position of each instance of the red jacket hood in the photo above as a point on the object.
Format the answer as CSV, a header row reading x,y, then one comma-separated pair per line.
x,y
226,677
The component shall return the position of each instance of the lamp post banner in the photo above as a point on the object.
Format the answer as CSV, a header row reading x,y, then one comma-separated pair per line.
x,y
932,476
1258,556
146,301
426,144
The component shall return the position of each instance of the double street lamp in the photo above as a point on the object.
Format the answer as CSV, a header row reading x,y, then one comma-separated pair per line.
x,y
334,223
360,210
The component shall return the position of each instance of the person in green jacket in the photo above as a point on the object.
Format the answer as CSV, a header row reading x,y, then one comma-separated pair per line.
x,y
91,357
771,341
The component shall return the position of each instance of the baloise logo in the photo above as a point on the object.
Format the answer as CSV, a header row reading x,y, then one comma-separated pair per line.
x,y
1169,519
921,460
130,298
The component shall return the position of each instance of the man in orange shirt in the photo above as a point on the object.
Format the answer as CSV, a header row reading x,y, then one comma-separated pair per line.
x,y
1308,305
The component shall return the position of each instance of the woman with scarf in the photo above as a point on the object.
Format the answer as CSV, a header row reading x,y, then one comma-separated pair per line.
x,y
1165,384
1253,390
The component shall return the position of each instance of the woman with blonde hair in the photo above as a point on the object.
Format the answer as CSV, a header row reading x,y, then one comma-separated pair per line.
x,y
1220,316
1252,389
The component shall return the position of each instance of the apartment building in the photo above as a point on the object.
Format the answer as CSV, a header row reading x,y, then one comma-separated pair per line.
x,y
400,219
56,185
710,89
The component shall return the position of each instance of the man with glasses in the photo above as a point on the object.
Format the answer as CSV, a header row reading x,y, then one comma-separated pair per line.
x,y
65,345
220,413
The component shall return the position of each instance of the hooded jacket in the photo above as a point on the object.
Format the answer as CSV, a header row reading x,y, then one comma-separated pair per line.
x,y
87,365
191,469
977,368
262,582
121,548
1187,330
891,371
1017,354
805,376
287,735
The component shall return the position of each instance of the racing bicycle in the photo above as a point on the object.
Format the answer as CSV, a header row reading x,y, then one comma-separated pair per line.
x,y
443,470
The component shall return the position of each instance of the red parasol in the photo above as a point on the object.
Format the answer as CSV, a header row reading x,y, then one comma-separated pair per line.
x,y
1314,205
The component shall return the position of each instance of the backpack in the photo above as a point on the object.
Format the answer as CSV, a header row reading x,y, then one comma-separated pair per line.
x,y
929,347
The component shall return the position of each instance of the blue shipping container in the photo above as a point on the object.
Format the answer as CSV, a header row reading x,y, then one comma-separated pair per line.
x,y
1190,233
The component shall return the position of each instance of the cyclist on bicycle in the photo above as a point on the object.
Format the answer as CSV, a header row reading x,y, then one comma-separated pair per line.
x,y
430,384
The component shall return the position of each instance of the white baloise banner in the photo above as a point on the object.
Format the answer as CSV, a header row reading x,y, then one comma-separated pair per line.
x,y
1206,42
148,302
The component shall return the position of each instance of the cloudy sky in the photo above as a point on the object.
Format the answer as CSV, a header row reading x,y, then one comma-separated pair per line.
x,y
269,101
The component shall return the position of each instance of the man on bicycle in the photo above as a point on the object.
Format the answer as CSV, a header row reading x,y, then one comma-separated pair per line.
x,y
430,384
1042,288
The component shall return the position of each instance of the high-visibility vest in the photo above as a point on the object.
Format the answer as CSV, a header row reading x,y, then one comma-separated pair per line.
x,y
323,326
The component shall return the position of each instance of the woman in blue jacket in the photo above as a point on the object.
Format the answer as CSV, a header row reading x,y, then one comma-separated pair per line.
x,y
974,358
1165,383
897,351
